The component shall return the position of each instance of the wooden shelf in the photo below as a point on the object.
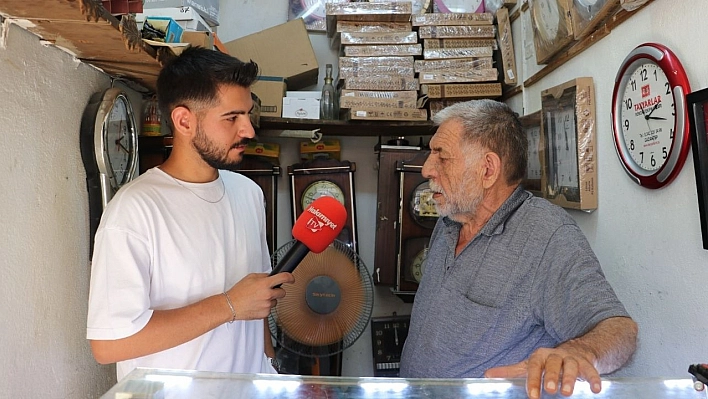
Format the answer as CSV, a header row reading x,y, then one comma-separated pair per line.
x,y
97,41
350,128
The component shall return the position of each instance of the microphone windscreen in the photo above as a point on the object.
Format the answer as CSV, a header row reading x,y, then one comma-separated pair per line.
x,y
320,223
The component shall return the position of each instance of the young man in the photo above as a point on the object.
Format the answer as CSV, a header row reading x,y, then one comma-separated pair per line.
x,y
511,286
179,274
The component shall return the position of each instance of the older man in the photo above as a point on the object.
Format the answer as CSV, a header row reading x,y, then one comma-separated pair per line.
x,y
511,285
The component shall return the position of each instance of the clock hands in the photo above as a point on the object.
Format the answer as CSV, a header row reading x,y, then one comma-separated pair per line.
x,y
651,112
119,143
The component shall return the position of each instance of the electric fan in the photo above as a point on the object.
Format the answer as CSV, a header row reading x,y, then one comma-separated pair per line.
x,y
329,305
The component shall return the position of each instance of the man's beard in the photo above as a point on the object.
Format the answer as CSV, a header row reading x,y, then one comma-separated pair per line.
x,y
212,154
463,201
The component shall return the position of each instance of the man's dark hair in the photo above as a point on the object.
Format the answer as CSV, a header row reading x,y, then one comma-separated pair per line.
x,y
193,79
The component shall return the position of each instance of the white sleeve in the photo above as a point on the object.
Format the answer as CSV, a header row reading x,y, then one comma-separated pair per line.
x,y
119,302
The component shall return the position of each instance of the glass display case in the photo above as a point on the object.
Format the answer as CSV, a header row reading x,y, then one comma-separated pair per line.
x,y
174,384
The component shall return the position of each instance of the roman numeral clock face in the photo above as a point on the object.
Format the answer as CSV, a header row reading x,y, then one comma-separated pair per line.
x,y
650,115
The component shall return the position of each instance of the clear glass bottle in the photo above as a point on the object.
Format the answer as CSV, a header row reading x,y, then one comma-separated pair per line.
x,y
329,108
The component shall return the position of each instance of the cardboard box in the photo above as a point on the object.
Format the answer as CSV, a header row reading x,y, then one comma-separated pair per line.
x,y
200,39
506,47
568,126
283,50
388,114
270,90
323,149
186,17
461,90
268,150
208,9
167,26
301,108
304,94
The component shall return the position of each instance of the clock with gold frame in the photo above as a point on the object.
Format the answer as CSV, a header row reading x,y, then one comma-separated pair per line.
x,y
552,27
313,179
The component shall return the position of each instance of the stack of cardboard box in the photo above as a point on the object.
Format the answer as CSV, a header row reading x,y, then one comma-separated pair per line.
x,y
378,46
458,63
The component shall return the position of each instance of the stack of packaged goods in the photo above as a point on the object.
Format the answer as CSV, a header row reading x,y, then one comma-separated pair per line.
x,y
376,63
458,58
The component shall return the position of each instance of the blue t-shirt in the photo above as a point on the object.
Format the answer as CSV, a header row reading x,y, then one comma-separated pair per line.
x,y
529,279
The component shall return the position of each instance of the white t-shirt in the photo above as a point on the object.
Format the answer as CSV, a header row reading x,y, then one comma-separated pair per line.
x,y
163,244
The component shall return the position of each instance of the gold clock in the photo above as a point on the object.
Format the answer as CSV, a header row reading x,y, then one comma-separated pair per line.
x,y
313,179
320,188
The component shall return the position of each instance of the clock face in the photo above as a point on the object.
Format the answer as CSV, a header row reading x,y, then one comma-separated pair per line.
x,y
547,19
418,265
422,206
119,141
420,6
320,188
533,166
564,147
388,334
459,6
649,115
313,9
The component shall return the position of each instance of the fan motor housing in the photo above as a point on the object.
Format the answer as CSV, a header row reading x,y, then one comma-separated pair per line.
x,y
323,295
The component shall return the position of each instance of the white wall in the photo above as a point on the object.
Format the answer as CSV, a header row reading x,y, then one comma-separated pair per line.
x,y
44,236
648,241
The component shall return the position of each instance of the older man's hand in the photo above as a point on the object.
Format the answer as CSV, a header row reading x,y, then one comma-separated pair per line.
x,y
555,367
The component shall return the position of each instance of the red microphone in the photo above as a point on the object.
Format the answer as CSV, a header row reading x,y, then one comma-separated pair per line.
x,y
314,230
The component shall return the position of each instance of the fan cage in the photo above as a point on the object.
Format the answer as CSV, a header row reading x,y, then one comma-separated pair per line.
x,y
349,337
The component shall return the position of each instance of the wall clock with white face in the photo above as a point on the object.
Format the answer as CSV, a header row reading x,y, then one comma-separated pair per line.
x,y
649,115
587,14
552,27
459,6
109,148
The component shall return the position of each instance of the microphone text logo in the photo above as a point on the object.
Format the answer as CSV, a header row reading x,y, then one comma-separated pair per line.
x,y
316,224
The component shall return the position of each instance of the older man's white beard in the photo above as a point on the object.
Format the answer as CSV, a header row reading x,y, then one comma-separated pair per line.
x,y
455,208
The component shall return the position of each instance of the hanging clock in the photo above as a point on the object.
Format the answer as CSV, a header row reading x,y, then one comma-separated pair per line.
x,y
388,205
416,220
265,173
109,149
650,116
587,14
388,334
535,161
561,140
552,27
313,179
458,6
